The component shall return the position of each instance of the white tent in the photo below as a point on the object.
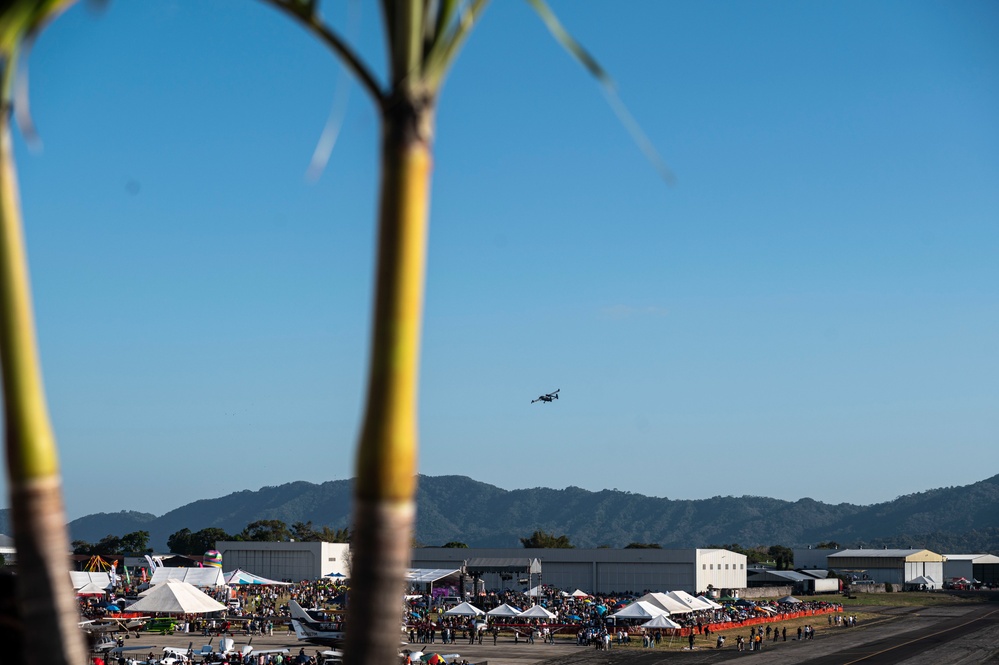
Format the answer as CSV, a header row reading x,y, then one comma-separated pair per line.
x,y
661,621
788,600
91,589
536,612
240,576
196,576
176,598
579,593
923,580
504,610
81,578
535,592
671,605
464,610
640,610
688,600
713,604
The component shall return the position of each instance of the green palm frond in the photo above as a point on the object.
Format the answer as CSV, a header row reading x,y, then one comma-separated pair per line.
x,y
607,85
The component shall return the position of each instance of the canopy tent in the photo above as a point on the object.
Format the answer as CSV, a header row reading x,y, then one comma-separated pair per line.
x,y
661,621
194,576
671,605
535,592
91,589
504,610
536,612
79,579
688,600
464,610
640,610
240,576
176,598
789,600
711,603
923,580
579,593
430,575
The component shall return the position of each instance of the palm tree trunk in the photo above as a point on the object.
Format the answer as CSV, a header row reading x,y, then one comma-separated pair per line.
x,y
47,604
385,487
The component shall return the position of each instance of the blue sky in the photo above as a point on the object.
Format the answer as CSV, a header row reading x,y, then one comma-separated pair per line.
x,y
811,310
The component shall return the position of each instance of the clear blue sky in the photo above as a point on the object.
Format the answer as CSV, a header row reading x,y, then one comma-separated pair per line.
x,y
811,310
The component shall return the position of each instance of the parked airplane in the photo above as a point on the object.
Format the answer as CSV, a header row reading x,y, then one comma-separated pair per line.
x,y
227,650
314,627
112,625
106,643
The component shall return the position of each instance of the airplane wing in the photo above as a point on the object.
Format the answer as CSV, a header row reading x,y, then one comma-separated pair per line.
x,y
133,648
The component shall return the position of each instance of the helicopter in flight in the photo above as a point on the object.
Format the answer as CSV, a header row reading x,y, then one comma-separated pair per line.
x,y
546,397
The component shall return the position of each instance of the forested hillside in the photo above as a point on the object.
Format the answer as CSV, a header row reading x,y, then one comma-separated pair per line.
x,y
457,508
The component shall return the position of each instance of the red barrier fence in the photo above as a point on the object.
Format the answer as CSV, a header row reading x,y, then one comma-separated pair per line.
x,y
783,616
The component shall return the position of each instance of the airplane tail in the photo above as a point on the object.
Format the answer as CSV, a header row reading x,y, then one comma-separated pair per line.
x,y
299,632
297,612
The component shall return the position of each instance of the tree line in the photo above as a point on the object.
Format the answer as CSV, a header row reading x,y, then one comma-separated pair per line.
x,y
198,542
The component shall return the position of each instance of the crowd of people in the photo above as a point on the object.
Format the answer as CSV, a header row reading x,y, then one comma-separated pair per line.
x,y
257,610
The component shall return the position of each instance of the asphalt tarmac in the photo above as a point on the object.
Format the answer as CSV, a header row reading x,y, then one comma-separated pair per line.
x,y
954,635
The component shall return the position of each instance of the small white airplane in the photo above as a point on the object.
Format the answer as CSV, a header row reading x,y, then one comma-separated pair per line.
x,y
177,656
107,644
331,657
227,648
312,627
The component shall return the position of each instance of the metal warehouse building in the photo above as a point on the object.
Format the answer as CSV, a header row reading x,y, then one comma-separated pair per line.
x,y
982,568
286,561
602,570
912,567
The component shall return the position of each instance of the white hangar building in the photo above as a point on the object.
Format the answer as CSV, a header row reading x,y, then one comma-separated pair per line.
x,y
904,567
602,570
983,568
294,561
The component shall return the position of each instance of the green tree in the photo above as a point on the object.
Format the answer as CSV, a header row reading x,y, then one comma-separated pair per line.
x,y
546,540
454,544
206,539
831,545
137,541
304,532
266,531
782,556
643,546
179,542
82,547
199,542
331,535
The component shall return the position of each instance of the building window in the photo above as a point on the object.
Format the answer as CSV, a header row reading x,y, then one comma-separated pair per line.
x,y
711,566
726,566
704,566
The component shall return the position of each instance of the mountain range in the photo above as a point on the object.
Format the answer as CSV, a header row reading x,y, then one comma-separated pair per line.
x,y
457,508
